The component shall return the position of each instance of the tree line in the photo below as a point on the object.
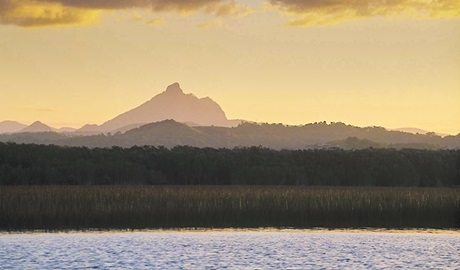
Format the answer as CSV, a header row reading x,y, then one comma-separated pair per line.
x,y
32,164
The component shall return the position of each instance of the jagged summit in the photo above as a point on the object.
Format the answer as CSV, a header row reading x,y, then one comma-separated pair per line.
x,y
174,89
173,104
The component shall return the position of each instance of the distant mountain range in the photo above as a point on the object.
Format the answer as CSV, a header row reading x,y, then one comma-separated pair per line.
x,y
201,122
170,133
170,104
37,126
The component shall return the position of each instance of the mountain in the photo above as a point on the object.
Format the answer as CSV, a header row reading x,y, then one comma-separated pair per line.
x,y
173,104
11,127
170,133
37,127
174,118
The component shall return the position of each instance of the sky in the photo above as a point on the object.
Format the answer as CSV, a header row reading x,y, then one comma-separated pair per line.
x,y
393,63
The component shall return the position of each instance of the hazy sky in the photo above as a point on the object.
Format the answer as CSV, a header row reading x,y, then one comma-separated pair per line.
x,y
392,63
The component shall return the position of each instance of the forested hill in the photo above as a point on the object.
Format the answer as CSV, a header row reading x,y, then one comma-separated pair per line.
x,y
55,165
169,133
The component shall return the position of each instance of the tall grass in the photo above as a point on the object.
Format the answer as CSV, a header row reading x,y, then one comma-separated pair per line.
x,y
140,207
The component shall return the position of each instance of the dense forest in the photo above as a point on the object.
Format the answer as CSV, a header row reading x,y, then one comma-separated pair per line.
x,y
30,164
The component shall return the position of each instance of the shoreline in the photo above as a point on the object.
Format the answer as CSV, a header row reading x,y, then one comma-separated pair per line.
x,y
447,231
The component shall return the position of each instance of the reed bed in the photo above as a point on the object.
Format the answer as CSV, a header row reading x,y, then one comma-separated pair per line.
x,y
148,207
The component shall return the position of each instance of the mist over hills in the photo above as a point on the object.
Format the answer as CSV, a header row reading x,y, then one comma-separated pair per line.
x,y
419,131
174,118
170,133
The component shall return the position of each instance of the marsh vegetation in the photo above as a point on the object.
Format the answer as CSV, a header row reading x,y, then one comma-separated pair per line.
x,y
143,207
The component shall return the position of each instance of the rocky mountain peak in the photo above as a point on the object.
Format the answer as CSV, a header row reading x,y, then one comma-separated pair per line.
x,y
172,104
174,89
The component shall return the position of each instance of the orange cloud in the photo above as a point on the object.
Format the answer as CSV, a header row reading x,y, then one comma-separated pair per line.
x,y
318,12
30,13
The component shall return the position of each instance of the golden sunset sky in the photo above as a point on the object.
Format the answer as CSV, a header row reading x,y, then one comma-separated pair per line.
x,y
393,63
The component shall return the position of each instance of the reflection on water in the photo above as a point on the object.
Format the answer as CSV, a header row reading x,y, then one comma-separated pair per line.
x,y
232,249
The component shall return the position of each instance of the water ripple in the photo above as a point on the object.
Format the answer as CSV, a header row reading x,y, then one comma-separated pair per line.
x,y
230,250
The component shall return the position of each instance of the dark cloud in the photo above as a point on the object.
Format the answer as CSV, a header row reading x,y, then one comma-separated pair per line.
x,y
308,12
71,12
156,5
302,12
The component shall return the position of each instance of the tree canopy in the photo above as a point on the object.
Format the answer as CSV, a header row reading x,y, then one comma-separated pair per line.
x,y
31,164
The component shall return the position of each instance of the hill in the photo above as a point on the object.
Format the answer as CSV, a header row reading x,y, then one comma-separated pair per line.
x,y
37,127
419,131
11,127
170,133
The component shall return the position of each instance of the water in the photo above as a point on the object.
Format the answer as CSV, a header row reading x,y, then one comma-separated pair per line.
x,y
260,249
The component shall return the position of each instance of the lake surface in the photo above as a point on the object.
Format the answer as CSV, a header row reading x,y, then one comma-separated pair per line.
x,y
232,249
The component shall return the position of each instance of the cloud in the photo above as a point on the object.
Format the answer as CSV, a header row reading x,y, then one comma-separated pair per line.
x,y
155,5
232,9
46,110
155,21
30,13
318,12
37,13
212,24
